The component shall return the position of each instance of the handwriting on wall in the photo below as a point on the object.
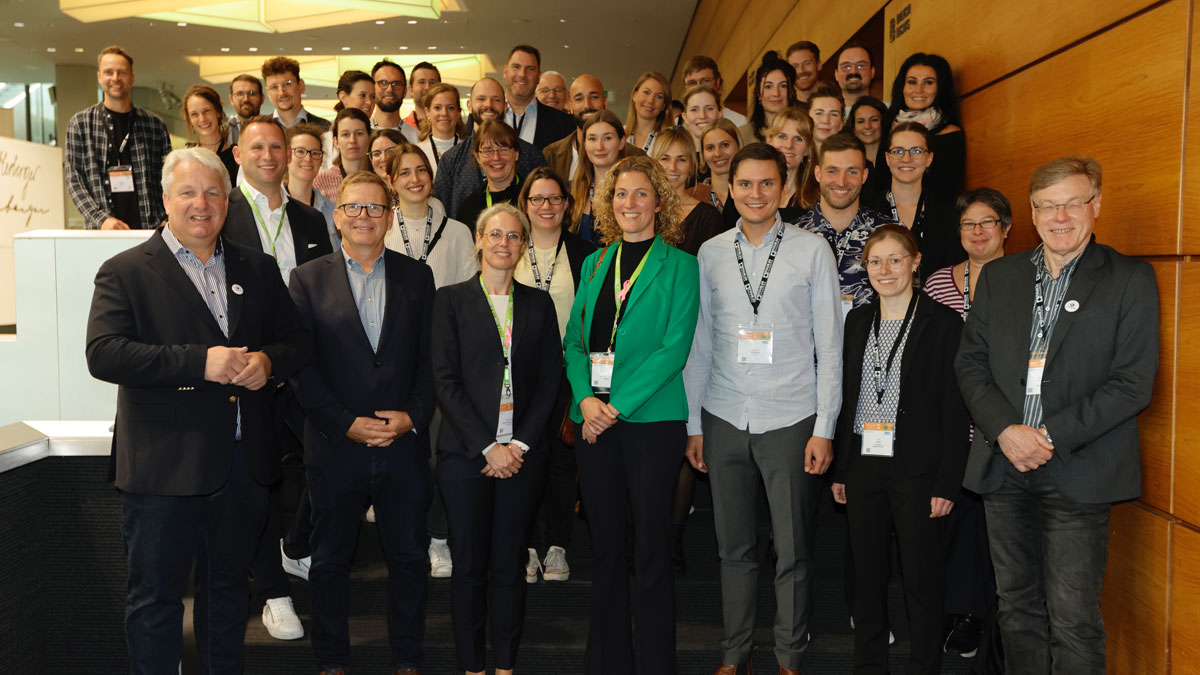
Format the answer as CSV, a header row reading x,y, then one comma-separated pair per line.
x,y
899,24
32,197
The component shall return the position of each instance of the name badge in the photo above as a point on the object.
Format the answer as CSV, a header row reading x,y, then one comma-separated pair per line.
x,y
847,304
120,178
755,342
504,424
1033,378
877,439
602,370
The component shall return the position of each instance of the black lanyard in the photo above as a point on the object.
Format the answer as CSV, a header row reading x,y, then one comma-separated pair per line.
x,y
884,374
437,156
1039,301
112,133
537,277
519,122
916,214
428,234
966,288
755,300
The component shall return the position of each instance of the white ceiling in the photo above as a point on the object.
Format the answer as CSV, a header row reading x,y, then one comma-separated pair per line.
x,y
615,40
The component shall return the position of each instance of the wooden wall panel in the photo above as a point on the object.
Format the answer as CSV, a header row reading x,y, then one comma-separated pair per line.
x,y
1157,423
1071,104
1187,392
1185,600
1135,591
1190,225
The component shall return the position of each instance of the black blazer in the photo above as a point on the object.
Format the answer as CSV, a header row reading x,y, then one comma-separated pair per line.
x,y
1099,372
578,249
468,367
552,125
346,379
149,332
309,235
931,420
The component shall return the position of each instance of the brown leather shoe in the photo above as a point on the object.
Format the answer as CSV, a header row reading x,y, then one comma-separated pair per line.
x,y
788,671
736,669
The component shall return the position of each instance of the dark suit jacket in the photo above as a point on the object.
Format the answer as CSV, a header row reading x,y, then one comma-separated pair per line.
x,y
468,366
931,420
552,125
346,379
577,251
149,332
1099,372
309,235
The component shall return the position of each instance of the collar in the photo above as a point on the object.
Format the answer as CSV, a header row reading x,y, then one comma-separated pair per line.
x,y
261,198
821,221
355,265
532,107
301,116
766,237
175,246
1038,258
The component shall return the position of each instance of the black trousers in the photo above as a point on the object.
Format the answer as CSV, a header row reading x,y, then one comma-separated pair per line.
x,y
970,579
557,513
490,522
880,498
631,469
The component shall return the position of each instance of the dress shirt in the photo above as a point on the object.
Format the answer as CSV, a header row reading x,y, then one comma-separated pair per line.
x,y
525,125
800,302
574,164
733,116
452,259
848,248
282,248
301,116
1054,291
562,283
369,293
235,129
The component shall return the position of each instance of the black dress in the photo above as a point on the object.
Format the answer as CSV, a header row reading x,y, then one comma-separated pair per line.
x,y
935,229
702,224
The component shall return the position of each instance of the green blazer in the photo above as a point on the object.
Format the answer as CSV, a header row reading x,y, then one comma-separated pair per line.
x,y
653,340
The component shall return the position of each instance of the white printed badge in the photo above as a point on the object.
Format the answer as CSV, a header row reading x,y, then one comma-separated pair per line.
x,y
504,424
755,342
1033,377
877,439
120,178
602,371
847,304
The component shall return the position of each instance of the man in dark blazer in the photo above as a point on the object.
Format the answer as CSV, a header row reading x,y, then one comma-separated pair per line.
x,y
367,398
1057,359
195,330
533,122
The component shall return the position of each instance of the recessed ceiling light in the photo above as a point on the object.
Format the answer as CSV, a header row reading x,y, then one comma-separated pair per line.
x,y
345,49
431,47
18,24
254,49
224,49
181,24
412,21
380,22
562,20
51,49
308,49
79,50
403,47
566,46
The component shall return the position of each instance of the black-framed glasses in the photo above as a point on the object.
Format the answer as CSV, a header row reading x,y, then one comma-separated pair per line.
x,y
538,200
984,223
497,236
301,153
390,84
1073,208
891,261
899,153
355,210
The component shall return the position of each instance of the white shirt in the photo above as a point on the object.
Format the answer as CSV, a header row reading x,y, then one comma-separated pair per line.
x,y
733,116
528,121
452,260
283,247
574,164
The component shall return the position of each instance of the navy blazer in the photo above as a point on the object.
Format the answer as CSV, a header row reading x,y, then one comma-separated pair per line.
x,y
309,235
347,379
552,125
149,332
468,366
1099,372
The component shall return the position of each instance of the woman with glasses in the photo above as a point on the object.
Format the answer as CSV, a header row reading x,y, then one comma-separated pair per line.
x,y
649,110
496,361
923,92
553,263
603,146
422,230
774,90
984,219
901,452
627,341
380,146
351,129
909,201
304,163
442,127
496,151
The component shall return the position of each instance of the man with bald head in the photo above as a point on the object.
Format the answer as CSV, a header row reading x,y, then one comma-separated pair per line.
x,y
552,90
586,98
458,175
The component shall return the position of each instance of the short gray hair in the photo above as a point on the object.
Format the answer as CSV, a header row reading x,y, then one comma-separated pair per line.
x,y
1063,168
202,156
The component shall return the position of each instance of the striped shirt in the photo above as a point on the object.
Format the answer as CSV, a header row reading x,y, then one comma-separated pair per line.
x,y
943,287
369,291
1045,316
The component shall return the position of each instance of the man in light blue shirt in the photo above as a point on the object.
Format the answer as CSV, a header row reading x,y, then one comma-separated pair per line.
x,y
764,390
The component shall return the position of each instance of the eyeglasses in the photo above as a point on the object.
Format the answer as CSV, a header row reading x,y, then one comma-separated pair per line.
x,y
986,224
301,153
355,210
1073,207
245,94
281,85
389,84
497,236
876,263
376,154
494,152
915,153
556,90
860,66
538,200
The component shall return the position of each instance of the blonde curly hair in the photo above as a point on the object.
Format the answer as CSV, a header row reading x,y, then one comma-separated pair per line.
x,y
666,222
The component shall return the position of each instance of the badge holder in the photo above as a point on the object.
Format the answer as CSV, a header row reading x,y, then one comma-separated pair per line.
x,y
878,439
120,178
602,370
504,424
755,343
847,304
1033,376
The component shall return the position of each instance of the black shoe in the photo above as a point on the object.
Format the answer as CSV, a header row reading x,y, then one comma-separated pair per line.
x,y
964,636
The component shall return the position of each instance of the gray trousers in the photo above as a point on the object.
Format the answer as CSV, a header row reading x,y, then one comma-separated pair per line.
x,y
739,462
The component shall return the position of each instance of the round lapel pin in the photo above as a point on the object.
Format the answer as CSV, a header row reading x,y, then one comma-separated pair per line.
x,y
237,290
1071,305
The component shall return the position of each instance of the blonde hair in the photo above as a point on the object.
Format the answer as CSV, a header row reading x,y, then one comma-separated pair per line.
x,y
664,116
808,190
668,137
492,212
427,100
728,128
666,222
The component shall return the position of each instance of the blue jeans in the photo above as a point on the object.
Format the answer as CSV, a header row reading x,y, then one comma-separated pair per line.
x,y
397,481
1050,554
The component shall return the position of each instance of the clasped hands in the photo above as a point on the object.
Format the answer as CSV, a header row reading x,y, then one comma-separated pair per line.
x,y
503,460
1027,448
381,430
238,366
598,416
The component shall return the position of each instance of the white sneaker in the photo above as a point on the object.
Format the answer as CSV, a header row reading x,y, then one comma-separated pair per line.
x,y
532,567
297,567
555,566
280,619
440,565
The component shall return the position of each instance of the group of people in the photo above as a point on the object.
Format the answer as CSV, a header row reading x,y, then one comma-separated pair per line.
x,y
975,408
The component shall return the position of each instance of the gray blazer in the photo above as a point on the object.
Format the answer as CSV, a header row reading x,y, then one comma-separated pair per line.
x,y
1099,372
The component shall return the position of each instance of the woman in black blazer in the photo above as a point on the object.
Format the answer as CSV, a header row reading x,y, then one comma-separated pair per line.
x,y
497,361
901,449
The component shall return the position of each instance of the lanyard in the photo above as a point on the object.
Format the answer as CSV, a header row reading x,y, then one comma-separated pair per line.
x,y
966,287
715,200
505,331
649,142
112,134
428,233
620,291
437,156
518,122
488,193
916,214
882,375
755,300
1039,302
262,222
537,277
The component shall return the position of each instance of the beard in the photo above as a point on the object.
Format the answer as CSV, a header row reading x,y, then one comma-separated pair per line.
x,y
389,107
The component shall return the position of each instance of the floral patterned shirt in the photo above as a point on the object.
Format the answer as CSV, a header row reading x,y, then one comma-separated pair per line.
x,y
847,248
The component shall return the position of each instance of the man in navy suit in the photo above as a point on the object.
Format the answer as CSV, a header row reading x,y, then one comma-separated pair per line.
x,y
367,397
196,330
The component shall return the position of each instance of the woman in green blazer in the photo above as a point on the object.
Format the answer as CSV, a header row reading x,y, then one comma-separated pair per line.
x,y
626,343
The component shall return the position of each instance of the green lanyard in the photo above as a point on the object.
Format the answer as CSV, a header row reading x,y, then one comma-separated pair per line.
x,y
505,331
487,194
621,291
262,222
